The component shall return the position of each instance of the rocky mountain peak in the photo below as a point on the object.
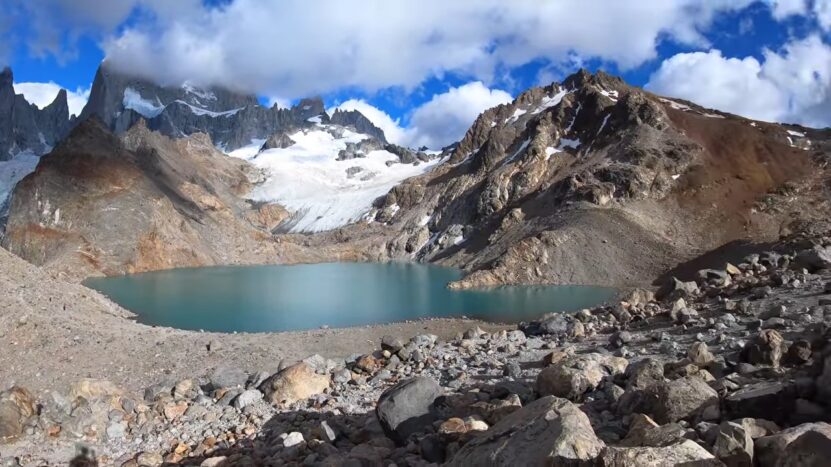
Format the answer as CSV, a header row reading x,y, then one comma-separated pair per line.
x,y
6,78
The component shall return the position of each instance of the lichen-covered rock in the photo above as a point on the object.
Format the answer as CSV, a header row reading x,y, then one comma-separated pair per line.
x,y
17,407
295,383
549,431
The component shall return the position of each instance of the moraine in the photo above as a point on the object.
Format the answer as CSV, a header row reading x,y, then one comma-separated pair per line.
x,y
286,298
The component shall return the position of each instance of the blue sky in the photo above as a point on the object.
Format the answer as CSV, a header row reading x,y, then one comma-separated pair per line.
x,y
764,59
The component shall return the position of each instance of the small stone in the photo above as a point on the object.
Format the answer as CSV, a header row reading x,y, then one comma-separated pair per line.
x,y
293,439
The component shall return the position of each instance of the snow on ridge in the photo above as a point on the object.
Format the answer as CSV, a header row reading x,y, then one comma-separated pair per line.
x,y
308,180
569,143
200,93
13,170
132,100
517,113
548,102
796,133
200,111
549,151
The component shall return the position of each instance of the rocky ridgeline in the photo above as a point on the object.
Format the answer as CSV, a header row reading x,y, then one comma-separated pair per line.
x,y
733,369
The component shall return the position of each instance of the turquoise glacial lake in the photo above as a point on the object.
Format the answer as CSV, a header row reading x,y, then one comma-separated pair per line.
x,y
297,297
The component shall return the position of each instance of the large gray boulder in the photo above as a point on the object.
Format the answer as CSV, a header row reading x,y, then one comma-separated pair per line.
x,y
808,444
685,453
814,259
549,431
576,375
405,408
687,398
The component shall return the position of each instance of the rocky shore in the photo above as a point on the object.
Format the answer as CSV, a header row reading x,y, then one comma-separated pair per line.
x,y
733,369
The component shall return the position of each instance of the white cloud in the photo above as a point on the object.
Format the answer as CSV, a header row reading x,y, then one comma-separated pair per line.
x,y
782,9
793,85
295,48
820,10
446,117
279,102
42,94
439,122
392,128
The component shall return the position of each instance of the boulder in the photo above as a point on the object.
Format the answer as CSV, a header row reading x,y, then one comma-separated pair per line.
x,y
687,398
643,431
553,323
768,400
700,355
734,445
227,377
644,373
295,383
405,408
17,407
89,389
789,448
764,349
674,289
574,376
814,259
685,453
549,431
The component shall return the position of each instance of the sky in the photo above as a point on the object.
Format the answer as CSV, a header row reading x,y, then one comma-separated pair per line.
x,y
422,70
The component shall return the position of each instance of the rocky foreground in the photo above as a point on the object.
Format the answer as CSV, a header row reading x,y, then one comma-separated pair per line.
x,y
732,369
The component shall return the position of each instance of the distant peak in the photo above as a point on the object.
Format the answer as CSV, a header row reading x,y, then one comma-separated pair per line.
x,y
6,77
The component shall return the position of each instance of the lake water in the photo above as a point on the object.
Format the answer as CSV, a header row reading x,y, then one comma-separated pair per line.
x,y
287,298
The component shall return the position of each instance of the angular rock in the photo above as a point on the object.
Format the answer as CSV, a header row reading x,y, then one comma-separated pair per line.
x,y
17,407
700,355
675,289
644,432
764,349
734,445
687,398
295,383
777,450
814,259
405,408
549,431
576,375
228,377
767,400
685,453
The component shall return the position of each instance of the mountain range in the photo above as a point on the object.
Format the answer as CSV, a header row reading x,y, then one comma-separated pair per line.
x,y
587,181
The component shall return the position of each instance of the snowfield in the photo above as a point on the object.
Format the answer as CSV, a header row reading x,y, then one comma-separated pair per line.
x,y
13,171
308,180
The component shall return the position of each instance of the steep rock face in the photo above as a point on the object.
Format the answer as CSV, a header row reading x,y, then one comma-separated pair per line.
x,y
24,127
99,204
573,182
231,119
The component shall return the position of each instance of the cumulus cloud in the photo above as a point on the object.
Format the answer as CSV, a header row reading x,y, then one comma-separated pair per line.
x,y
439,122
446,117
295,48
42,94
793,85
820,10
392,128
